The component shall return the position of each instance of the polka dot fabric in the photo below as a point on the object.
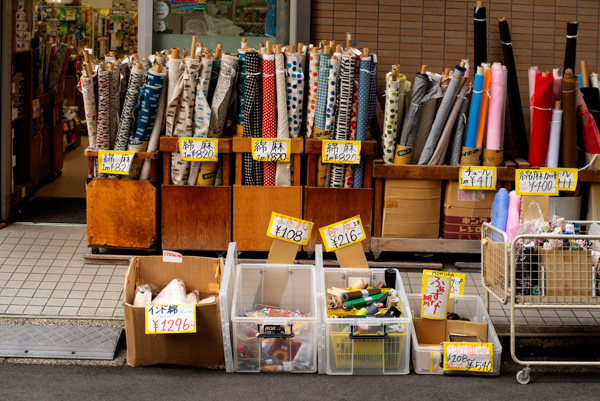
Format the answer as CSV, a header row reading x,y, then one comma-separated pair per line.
x,y
332,92
321,105
269,129
390,120
313,84
253,170
362,115
295,93
283,175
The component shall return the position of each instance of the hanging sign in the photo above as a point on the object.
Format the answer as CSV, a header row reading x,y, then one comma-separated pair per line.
x,y
435,297
188,4
469,357
289,229
271,149
343,233
567,178
536,182
477,178
170,319
115,161
199,149
341,152
457,285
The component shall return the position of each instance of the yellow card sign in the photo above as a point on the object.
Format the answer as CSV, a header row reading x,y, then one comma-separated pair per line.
x,y
170,319
199,149
567,178
341,152
469,357
477,178
457,285
271,149
115,161
536,182
289,229
343,233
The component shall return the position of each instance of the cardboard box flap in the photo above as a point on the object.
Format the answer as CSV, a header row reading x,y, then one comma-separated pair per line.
x,y
428,331
469,328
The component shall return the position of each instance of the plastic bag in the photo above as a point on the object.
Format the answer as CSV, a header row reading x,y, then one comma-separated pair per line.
x,y
192,297
208,300
172,294
143,295
533,221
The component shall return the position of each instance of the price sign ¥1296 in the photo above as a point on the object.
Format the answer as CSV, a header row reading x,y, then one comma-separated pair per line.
x,y
289,229
169,319
271,149
477,178
343,233
199,149
469,357
341,152
536,182
115,162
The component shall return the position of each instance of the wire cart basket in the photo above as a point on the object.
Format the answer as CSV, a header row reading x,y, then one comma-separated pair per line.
x,y
541,271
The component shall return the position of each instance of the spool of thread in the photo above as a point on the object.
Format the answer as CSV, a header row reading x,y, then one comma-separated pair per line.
x,y
362,312
359,284
372,310
360,302
392,301
390,278
334,301
349,296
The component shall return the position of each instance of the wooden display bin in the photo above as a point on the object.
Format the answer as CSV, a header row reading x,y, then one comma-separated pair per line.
x,y
122,213
194,217
252,205
324,206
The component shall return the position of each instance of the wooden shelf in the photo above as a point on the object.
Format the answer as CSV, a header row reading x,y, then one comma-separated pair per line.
x,y
420,245
22,116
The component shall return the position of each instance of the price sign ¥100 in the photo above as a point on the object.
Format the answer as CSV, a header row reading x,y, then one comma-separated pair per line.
x,y
289,229
343,233
271,149
115,162
341,152
567,178
199,149
477,178
536,182
469,357
170,319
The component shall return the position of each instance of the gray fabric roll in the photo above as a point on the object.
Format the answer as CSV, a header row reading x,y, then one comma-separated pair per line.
x,y
459,129
411,120
426,117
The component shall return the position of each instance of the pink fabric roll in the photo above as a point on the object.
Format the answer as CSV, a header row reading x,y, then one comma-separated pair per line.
x,y
514,211
496,105
557,90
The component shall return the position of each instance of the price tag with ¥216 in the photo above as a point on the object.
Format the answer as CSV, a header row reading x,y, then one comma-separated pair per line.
x,y
343,233
469,357
477,178
289,229
271,149
536,182
567,178
169,319
435,297
115,162
340,152
199,149
457,285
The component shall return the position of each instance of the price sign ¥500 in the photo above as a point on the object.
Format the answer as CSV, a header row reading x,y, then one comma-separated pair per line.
x,y
567,178
199,149
289,229
343,233
477,178
271,149
470,357
341,152
115,162
536,182
170,319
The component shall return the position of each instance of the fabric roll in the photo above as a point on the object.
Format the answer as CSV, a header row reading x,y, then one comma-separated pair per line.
x,y
404,91
591,97
372,95
295,93
568,149
473,123
313,86
554,142
483,109
480,36
89,106
123,79
332,92
390,119
269,114
500,209
426,117
514,215
156,131
557,87
146,64
220,102
51,63
541,109
571,46
253,172
103,128
56,67
457,134
241,91
136,80
283,176
321,103
442,115
65,66
533,72
362,119
590,137
174,88
214,78
494,134
115,97
352,134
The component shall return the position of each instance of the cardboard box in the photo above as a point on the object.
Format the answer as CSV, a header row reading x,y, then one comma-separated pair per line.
x,y
568,273
465,211
411,208
201,349
434,332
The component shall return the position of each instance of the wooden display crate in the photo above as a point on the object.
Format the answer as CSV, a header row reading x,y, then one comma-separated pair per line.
x,y
194,217
122,213
252,205
325,206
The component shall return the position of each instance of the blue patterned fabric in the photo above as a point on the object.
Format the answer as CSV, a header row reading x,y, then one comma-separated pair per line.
x,y
146,108
241,89
362,118
321,104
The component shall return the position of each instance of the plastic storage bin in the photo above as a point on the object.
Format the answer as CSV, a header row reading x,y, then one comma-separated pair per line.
x,y
226,300
343,351
275,343
427,360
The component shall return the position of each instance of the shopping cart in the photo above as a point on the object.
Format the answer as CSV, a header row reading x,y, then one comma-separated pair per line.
x,y
541,271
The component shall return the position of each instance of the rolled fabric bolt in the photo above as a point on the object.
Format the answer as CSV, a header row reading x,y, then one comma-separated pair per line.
x,y
500,209
362,312
495,118
359,284
514,211
470,140
392,301
554,142
357,303
372,310
351,295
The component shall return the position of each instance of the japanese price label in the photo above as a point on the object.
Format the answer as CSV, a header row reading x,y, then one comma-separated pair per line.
x,y
109,59
343,233
199,149
172,257
341,152
536,182
435,298
457,285
469,357
115,162
165,319
289,229
477,178
567,178
271,149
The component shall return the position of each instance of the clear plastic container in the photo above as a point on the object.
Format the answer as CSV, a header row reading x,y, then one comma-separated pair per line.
x,y
384,349
276,342
226,301
427,360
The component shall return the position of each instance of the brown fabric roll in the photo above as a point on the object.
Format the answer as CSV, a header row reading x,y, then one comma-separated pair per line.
x,y
568,150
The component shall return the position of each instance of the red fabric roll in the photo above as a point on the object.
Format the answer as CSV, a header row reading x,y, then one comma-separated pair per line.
x,y
269,127
590,134
541,113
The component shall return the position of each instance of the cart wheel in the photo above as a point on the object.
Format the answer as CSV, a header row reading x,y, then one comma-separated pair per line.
x,y
523,376
375,255
95,250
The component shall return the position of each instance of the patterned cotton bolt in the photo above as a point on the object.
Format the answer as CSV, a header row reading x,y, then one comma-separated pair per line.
x,y
136,80
269,114
89,105
362,118
313,83
241,90
372,94
283,174
174,89
321,104
253,174
214,77
295,93
103,129
220,101
115,93
390,121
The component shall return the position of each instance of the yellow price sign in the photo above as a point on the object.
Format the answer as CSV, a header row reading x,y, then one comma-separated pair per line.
x,y
567,178
341,152
271,149
170,319
457,285
115,161
477,178
536,182
289,229
343,233
199,149
469,357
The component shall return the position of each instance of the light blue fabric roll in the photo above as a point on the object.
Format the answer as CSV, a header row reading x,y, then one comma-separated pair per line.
x,y
500,209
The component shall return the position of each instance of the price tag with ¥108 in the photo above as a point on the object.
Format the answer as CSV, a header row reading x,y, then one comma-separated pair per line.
x,y
341,152
170,319
477,178
289,229
271,149
343,233
469,357
115,162
199,149
567,178
536,182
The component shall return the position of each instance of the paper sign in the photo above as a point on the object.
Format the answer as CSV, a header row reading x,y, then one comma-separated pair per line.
x,y
289,229
172,257
469,357
109,59
341,152
536,182
115,162
477,178
169,319
271,149
435,298
457,285
199,149
343,233
567,178
35,106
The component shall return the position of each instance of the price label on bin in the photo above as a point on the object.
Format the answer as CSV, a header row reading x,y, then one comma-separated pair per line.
x,y
477,178
468,357
536,182
289,229
567,178
199,149
341,152
170,319
457,285
271,149
343,233
115,162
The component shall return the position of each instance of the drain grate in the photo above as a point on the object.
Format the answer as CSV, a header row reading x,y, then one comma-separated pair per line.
x,y
58,342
